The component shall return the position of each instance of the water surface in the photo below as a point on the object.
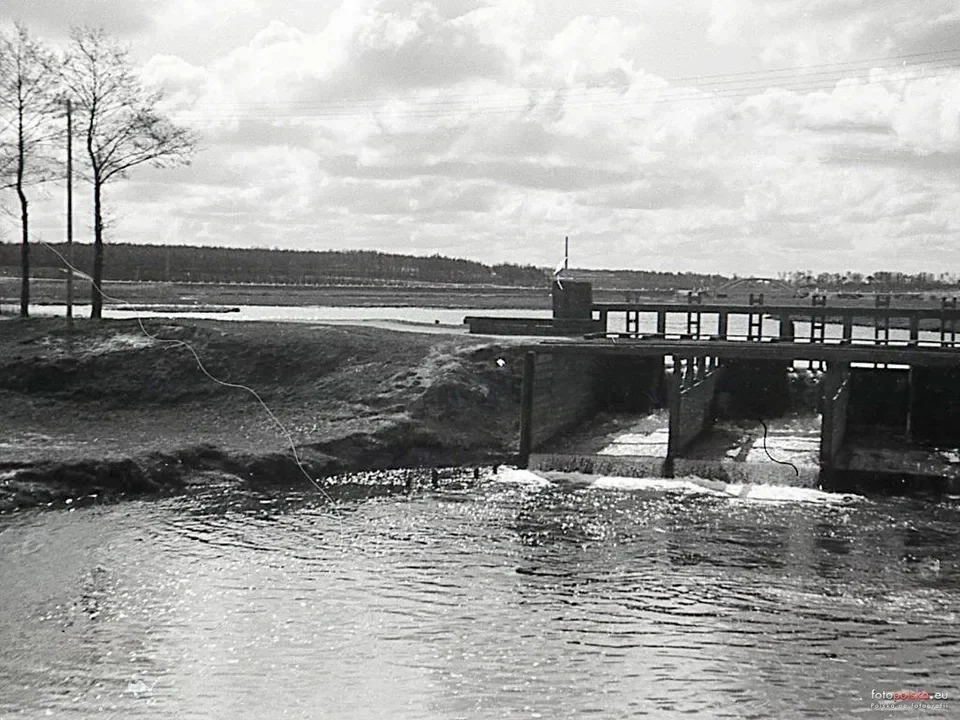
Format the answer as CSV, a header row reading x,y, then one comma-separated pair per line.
x,y
500,598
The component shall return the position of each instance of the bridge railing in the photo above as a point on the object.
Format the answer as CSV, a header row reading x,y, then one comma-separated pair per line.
x,y
879,324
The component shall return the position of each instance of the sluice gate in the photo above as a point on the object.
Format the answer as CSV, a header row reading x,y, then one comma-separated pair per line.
x,y
678,392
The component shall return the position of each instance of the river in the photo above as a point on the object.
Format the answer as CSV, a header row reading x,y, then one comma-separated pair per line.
x,y
503,597
428,319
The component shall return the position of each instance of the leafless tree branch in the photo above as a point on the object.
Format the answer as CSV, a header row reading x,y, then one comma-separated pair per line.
x,y
121,126
28,103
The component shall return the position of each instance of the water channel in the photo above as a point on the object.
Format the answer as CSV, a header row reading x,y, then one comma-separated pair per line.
x,y
503,597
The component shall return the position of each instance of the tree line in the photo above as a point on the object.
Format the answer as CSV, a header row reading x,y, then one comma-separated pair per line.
x,y
649,279
89,93
184,263
880,281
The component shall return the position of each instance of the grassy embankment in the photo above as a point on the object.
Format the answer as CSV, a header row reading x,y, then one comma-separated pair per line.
x,y
102,409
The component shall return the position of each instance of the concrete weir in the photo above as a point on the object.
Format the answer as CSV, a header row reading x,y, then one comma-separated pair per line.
x,y
785,453
694,426
734,420
881,415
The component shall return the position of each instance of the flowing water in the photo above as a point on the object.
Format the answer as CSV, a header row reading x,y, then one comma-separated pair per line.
x,y
505,597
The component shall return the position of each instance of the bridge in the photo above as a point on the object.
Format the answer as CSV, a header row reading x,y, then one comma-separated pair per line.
x,y
654,388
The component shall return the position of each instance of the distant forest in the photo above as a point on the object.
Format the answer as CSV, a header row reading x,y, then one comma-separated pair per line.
x,y
185,263
880,281
647,279
181,263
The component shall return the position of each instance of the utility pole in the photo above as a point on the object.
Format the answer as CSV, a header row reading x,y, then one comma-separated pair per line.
x,y
70,210
566,252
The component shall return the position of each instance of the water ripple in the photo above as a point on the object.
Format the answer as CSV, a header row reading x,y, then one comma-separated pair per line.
x,y
481,599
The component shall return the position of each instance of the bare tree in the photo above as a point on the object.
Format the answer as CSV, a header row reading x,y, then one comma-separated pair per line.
x,y
120,124
28,85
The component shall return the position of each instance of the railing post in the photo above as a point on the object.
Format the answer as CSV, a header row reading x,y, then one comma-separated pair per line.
x,y
945,306
755,320
881,323
693,318
603,322
847,336
722,321
786,328
818,327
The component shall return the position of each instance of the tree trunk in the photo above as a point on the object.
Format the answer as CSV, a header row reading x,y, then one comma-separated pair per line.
x,y
24,256
96,305
24,221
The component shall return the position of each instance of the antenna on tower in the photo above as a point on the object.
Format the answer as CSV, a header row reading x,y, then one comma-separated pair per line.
x,y
565,265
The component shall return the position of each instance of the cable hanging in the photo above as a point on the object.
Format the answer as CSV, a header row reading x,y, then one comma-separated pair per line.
x,y
237,386
779,462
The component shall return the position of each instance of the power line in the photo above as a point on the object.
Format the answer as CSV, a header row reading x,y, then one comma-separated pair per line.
x,y
731,86
751,78
475,105
915,57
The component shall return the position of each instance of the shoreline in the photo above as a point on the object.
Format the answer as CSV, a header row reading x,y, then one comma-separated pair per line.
x,y
102,410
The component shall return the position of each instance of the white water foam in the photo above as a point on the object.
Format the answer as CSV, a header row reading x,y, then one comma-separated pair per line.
x,y
702,486
788,494
515,476
687,485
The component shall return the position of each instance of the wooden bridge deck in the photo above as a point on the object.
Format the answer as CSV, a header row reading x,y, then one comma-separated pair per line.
x,y
785,350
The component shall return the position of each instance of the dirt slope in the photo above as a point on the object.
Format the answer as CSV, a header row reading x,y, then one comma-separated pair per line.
x,y
105,409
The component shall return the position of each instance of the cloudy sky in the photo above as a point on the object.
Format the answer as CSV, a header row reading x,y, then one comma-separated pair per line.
x,y
738,136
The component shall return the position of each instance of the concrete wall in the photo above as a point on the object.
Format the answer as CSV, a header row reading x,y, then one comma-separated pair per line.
x,y
479,325
572,300
630,384
836,396
563,394
561,391
879,398
753,388
691,411
935,406
508,326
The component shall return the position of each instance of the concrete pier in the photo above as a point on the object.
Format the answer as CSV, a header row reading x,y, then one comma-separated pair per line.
x,y
728,417
672,408
703,388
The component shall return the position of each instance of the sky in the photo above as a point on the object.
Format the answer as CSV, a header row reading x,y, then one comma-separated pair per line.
x,y
730,136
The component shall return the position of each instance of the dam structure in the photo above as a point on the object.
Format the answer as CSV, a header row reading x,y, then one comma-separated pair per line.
x,y
846,397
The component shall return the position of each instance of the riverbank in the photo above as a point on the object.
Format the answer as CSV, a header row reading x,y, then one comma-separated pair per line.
x,y
104,410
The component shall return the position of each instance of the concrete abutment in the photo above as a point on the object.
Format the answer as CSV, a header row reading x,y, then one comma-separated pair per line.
x,y
876,425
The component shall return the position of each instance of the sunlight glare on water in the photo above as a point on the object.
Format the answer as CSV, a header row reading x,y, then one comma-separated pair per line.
x,y
505,598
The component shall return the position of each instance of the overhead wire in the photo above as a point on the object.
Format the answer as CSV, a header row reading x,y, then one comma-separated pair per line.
x,y
839,69
704,88
169,342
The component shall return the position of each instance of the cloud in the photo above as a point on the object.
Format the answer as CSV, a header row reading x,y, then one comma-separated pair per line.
x,y
594,51
375,130
784,31
491,129
55,16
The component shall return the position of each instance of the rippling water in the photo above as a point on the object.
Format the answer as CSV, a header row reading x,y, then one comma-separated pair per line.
x,y
491,599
